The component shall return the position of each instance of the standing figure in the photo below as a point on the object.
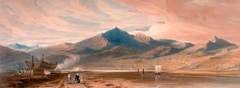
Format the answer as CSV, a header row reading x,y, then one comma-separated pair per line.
x,y
81,79
143,71
77,78
138,70
69,78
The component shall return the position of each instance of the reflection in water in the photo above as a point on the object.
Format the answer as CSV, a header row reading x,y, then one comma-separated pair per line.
x,y
157,78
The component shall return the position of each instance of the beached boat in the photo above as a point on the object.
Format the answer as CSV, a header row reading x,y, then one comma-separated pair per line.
x,y
38,68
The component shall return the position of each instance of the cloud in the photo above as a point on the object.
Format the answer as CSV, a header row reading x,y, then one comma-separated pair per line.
x,y
144,29
161,22
92,6
75,20
72,20
116,5
193,20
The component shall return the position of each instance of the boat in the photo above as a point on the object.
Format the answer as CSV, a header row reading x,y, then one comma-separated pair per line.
x,y
38,68
158,69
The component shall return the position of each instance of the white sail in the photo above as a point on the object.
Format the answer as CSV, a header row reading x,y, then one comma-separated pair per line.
x,y
158,68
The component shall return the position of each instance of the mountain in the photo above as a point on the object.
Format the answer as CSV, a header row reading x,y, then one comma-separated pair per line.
x,y
91,45
117,37
171,54
168,41
112,38
217,43
55,53
21,47
142,38
114,42
118,49
11,59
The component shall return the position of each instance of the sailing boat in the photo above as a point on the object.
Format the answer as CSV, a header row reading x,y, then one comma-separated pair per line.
x,y
158,69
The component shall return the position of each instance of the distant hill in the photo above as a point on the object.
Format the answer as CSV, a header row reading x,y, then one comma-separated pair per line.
x,y
21,47
11,59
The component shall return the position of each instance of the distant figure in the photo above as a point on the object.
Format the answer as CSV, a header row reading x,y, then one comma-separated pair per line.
x,y
138,70
77,78
19,72
143,71
69,78
81,79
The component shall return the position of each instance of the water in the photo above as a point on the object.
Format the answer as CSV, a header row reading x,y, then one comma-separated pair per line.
x,y
149,80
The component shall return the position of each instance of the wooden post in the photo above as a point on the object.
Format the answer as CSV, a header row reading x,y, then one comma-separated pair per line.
x,y
43,63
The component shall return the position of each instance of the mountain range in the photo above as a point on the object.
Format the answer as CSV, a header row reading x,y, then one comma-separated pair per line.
x,y
21,47
117,49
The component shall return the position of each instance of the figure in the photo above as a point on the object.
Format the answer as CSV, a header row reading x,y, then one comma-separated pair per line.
x,y
77,78
69,78
143,70
81,79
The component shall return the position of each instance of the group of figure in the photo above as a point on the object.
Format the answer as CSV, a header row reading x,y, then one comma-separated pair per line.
x,y
76,79
158,69
142,71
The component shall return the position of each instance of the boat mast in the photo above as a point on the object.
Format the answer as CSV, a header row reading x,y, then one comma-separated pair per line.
x,y
31,70
19,70
43,61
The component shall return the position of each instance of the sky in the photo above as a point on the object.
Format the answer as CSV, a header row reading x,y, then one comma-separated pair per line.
x,y
50,22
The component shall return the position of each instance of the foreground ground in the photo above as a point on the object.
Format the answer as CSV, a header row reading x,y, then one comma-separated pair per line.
x,y
176,79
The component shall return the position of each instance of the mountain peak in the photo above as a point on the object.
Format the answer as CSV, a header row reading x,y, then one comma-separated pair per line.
x,y
142,38
116,29
22,47
17,45
217,43
215,39
115,32
140,34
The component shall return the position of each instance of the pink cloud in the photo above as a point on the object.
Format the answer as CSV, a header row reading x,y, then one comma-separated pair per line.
x,y
187,20
194,20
